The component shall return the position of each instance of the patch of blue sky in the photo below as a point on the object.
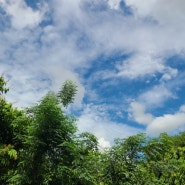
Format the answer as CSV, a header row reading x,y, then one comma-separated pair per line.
x,y
47,21
118,115
108,63
176,62
34,4
4,20
115,91
171,106
105,62
134,124
120,90
127,11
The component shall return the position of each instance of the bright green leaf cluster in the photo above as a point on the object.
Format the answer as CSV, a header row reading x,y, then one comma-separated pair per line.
x,y
67,92
3,83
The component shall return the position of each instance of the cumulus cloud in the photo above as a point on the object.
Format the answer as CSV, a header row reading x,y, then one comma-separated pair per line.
x,y
156,125
167,123
138,113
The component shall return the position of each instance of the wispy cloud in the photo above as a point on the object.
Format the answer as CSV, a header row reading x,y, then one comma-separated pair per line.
x,y
156,96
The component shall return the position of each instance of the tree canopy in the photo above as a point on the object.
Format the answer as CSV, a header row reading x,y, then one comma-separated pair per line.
x,y
42,145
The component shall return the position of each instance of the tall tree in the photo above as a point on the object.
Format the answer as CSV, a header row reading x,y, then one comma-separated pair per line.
x,y
12,129
47,154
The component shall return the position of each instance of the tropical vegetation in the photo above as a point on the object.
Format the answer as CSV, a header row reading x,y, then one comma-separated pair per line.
x,y
41,145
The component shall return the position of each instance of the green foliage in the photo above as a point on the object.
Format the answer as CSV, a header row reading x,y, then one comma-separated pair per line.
x,y
123,161
41,146
67,92
48,143
3,83
88,142
12,124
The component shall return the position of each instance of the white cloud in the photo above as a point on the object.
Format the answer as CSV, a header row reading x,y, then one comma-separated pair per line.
x,y
21,15
39,58
156,96
128,34
94,119
114,4
143,65
169,74
166,123
139,66
138,113
156,125
31,65
103,143
160,10
182,109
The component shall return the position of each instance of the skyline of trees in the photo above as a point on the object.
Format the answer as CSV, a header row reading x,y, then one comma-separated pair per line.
x,y
41,145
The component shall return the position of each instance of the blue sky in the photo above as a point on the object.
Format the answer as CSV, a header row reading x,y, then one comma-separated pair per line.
x,y
127,58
